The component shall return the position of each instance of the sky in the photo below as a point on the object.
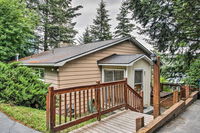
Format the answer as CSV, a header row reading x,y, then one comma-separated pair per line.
x,y
88,13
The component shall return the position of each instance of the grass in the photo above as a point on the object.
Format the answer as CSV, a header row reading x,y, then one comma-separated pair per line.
x,y
30,117
34,118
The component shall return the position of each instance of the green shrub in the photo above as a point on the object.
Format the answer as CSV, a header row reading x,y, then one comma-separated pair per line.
x,y
193,74
20,85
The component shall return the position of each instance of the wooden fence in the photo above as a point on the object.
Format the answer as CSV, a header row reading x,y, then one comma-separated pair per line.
x,y
71,106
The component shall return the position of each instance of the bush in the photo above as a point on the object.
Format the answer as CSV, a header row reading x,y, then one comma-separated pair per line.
x,y
20,85
193,74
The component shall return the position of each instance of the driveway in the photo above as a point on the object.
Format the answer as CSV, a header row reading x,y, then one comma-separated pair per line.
x,y
9,126
187,122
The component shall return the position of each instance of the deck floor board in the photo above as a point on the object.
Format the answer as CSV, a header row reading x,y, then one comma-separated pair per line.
x,y
122,122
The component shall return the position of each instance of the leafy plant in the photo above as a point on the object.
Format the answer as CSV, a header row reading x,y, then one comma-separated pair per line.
x,y
193,74
20,85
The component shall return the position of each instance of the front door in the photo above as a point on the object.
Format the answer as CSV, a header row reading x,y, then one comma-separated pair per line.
x,y
138,79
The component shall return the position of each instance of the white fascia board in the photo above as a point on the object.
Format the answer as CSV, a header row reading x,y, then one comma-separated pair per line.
x,y
26,64
114,64
145,58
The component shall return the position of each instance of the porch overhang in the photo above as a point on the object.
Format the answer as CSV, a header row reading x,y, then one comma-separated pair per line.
x,y
123,60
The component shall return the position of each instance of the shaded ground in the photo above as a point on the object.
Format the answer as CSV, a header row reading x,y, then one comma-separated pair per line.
x,y
187,122
10,126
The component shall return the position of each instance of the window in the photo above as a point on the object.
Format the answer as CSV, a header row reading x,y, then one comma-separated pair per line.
x,y
113,75
138,80
138,76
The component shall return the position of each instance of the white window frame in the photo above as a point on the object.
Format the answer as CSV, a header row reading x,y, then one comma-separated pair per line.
x,y
112,69
143,72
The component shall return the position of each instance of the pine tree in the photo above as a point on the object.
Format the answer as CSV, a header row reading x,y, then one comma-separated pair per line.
x,y
87,37
174,27
124,27
17,24
56,17
101,28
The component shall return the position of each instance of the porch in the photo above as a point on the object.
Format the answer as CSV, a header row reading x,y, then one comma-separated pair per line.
x,y
71,106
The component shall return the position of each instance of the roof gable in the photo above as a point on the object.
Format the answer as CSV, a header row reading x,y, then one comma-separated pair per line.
x,y
123,60
59,56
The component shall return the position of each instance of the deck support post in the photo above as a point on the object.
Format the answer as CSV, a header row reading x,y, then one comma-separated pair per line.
x,y
125,94
139,123
51,109
156,88
175,97
98,101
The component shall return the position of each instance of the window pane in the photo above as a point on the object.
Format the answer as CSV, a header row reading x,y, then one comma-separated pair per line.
x,y
108,76
118,75
138,76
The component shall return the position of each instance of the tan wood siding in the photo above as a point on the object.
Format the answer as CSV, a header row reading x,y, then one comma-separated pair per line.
x,y
51,77
85,71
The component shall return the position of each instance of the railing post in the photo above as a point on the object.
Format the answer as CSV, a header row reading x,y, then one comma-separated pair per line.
x,y
175,97
156,88
139,123
47,111
98,101
125,94
182,94
187,92
141,102
51,109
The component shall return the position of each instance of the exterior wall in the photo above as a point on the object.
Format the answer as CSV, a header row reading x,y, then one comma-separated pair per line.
x,y
85,71
51,77
142,64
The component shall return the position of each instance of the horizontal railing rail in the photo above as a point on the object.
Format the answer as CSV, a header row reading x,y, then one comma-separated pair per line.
x,y
70,106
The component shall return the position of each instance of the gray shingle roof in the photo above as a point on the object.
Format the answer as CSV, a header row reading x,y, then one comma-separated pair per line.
x,y
64,54
120,59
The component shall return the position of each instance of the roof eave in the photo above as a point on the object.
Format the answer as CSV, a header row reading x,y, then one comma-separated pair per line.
x,y
43,64
140,45
128,64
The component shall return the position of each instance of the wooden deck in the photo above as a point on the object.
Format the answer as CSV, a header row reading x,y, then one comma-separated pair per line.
x,y
122,122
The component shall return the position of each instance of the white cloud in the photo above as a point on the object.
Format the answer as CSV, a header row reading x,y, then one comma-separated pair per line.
x,y
89,12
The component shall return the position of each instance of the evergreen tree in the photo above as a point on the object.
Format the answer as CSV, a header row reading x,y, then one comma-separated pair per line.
x,y
17,24
56,17
174,27
87,37
101,28
124,27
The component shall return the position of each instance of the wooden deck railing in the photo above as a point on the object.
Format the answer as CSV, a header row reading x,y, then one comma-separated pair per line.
x,y
183,90
71,106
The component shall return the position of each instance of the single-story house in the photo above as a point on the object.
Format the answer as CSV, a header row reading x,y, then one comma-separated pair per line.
x,y
105,61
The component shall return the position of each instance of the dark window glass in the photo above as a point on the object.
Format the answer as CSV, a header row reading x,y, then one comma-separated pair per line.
x,y
138,77
108,76
118,75
113,75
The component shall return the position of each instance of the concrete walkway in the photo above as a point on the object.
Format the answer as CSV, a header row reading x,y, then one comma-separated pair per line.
x,y
187,122
9,126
